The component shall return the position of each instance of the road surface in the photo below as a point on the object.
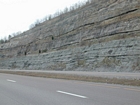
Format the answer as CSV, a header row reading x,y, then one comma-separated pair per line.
x,y
25,90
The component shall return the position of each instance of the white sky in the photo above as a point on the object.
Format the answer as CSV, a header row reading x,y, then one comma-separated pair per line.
x,y
18,15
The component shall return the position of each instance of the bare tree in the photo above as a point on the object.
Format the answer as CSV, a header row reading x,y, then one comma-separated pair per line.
x,y
66,10
58,13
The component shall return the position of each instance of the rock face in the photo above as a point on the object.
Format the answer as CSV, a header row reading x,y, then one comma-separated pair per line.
x,y
101,36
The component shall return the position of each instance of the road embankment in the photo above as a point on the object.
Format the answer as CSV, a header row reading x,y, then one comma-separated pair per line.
x,y
132,79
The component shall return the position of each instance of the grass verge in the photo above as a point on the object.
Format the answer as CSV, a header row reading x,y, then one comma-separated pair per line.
x,y
135,82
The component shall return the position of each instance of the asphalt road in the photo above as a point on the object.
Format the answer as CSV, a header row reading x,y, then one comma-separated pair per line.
x,y
24,90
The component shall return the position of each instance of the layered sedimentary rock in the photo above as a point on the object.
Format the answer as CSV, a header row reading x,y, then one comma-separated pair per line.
x,y
101,36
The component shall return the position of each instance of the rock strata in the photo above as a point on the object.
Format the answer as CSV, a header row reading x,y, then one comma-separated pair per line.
x,y
101,36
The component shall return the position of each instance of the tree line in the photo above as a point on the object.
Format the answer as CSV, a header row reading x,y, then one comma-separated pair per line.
x,y
58,13
7,39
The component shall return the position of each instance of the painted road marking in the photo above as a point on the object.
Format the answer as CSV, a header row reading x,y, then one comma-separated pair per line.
x,y
109,86
10,80
132,89
116,87
71,94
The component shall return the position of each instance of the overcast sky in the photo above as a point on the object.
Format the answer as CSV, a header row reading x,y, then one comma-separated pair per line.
x,y
18,15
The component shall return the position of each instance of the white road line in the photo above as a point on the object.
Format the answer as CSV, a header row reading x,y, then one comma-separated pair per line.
x,y
10,80
71,94
132,89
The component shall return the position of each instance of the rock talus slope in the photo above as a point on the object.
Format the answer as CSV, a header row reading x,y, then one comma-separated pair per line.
x,y
101,36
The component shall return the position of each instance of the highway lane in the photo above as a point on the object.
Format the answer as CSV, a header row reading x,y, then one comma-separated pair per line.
x,y
25,90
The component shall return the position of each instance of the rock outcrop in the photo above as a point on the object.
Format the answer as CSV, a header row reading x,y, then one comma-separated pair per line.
x,y
101,36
